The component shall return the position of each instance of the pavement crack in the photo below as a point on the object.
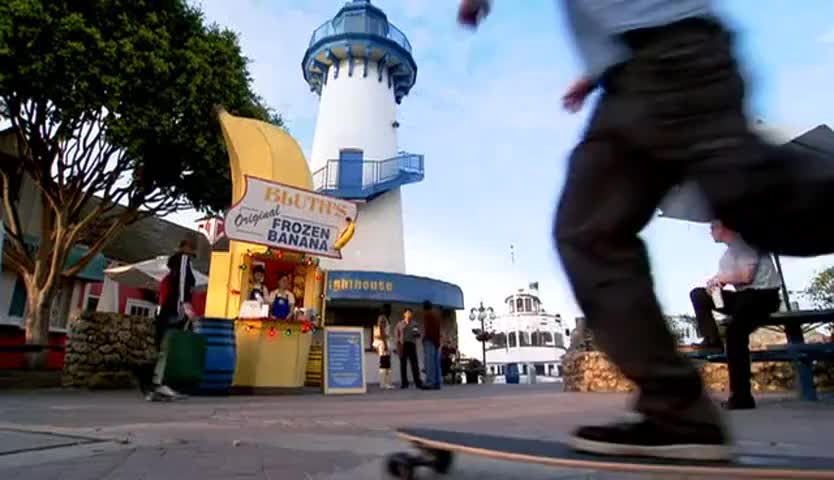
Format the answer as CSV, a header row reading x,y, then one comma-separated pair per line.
x,y
119,464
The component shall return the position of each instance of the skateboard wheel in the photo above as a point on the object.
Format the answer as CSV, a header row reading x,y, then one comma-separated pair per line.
x,y
442,460
400,465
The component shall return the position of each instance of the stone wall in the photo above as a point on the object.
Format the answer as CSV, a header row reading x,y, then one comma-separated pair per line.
x,y
592,372
587,370
104,348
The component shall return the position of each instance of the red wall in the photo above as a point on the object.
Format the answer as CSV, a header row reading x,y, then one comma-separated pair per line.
x,y
124,294
15,336
198,298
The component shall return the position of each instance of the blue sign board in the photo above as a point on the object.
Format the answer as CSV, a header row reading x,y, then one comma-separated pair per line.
x,y
393,288
344,360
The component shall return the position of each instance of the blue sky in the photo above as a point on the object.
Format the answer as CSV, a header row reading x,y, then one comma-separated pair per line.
x,y
485,111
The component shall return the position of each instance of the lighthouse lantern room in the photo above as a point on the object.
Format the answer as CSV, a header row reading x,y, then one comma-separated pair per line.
x,y
361,67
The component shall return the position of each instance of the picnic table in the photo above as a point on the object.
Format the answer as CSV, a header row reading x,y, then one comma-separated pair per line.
x,y
802,354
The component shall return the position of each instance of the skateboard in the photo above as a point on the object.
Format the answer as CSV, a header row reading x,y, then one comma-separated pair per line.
x,y
437,449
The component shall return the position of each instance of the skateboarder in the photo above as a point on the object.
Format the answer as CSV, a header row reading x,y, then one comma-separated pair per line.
x,y
671,110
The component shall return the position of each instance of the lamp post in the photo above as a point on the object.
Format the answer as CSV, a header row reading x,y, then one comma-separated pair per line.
x,y
485,316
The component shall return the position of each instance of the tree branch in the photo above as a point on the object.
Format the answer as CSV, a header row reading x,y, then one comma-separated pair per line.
x,y
15,231
94,249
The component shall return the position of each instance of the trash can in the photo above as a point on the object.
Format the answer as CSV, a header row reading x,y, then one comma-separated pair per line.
x,y
219,367
512,373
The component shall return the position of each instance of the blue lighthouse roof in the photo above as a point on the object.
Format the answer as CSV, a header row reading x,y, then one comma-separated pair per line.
x,y
360,32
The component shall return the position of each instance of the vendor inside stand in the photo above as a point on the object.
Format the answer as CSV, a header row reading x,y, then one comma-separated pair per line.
x,y
281,299
259,291
274,289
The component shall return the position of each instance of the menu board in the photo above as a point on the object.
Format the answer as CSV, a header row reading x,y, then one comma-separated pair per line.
x,y
344,360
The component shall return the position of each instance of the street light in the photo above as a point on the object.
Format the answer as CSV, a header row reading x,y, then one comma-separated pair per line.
x,y
484,334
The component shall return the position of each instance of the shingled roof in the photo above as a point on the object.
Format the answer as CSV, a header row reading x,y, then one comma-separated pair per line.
x,y
152,237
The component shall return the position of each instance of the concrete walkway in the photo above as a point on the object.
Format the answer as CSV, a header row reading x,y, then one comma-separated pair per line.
x,y
71,435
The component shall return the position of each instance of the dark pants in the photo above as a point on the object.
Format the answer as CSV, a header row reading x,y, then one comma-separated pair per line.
x,y
675,111
145,373
747,310
409,354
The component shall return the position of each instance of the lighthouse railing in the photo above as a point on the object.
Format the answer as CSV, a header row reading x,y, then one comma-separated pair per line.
x,y
371,27
376,174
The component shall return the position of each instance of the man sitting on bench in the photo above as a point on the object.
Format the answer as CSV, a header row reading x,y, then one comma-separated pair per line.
x,y
756,282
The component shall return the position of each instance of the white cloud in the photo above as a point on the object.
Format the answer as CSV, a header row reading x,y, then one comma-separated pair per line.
x,y
827,37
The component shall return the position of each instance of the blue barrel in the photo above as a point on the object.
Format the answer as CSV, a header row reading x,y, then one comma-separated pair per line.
x,y
219,369
512,373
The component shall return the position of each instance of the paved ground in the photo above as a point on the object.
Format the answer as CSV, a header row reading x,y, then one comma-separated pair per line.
x,y
116,435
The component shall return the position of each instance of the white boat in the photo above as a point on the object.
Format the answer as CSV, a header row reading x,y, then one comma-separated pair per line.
x,y
527,338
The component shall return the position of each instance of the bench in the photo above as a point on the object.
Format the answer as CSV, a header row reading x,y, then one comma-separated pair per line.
x,y
802,354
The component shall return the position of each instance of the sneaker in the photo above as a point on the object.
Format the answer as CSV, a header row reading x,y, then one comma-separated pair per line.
x,y
646,439
157,397
167,391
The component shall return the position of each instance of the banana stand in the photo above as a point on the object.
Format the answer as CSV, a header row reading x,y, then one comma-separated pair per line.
x,y
277,228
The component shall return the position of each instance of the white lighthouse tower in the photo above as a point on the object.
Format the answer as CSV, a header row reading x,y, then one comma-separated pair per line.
x,y
361,66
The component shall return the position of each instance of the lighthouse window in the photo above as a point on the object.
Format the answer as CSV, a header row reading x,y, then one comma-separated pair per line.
x,y
513,342
519,305
528,305
354,23
525,339
377,26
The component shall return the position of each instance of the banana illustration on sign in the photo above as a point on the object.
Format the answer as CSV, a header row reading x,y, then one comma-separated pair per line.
x,y
346,234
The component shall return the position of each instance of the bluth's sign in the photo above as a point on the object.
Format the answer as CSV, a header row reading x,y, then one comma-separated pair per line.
x,y
289,218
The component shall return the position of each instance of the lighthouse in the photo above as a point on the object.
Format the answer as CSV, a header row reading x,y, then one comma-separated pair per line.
x,y
361,67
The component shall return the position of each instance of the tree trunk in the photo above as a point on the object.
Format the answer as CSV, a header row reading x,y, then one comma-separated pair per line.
x,y
38,302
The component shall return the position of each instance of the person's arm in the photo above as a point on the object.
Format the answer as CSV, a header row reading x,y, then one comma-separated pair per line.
x,y
399,336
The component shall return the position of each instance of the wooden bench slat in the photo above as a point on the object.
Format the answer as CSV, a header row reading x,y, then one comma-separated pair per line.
x,y
789,354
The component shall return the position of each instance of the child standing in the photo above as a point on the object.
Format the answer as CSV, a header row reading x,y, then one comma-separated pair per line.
x,y
383,346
